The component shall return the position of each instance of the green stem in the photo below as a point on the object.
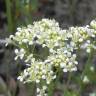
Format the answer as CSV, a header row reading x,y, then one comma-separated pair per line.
x,y
69,79
88,63
51,88
67,84
87,66
9,15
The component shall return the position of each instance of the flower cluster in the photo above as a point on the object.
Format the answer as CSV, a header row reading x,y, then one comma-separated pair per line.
x,y
83,37
64,59
37,71
61,44
45,32
41,92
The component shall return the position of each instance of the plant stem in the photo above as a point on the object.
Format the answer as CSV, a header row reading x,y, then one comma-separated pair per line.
x,y
9,16
87,66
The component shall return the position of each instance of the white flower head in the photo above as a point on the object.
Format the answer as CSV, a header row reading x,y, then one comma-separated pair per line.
x,y
61,45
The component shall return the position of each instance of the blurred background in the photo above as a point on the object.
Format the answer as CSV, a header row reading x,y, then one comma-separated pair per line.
x,y
17,13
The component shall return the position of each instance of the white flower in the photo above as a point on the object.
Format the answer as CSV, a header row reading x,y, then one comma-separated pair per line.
x,y
16,51
44,71
81,40
19,53
26,73
92,68
93,23
30,42
19,29
44,87
62,65
48,82
38,90
92,94
86,79
18,33
11,36
88,50
65,70
37,81
76,62
54,77
25,40
20,78
43,77
74,69
44,45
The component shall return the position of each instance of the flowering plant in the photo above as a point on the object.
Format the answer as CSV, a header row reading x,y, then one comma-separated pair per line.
x,y
47,50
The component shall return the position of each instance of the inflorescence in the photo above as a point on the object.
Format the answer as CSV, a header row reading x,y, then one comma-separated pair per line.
x,y
61,45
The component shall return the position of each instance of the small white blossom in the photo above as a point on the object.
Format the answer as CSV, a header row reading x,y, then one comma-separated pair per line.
x,y
54,77
92,94
93,23
62,65
38,90
86,79
43,77
92,68
20,78
65,70
44,87
88,50
25,40
16,51
81,40
37,81
48,82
